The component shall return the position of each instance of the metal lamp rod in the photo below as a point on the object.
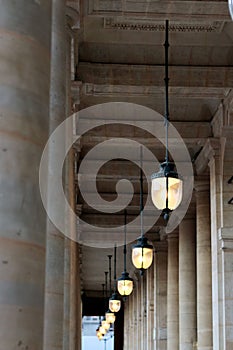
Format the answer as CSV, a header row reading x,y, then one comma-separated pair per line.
x,y
125,251
115,281
141,192
166,79
106,283
110,274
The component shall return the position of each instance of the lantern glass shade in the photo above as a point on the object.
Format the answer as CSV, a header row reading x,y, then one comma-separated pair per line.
x,y
98,333
125,284
102,330
167,188
110,317
114,303
100,336
106,325
142,254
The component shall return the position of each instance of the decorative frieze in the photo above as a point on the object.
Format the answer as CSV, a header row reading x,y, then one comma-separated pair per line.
x,y
159,26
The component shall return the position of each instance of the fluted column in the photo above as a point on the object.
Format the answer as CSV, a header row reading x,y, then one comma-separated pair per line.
x,y
150,308
139,316
187,284
72,292
126,326
54,282
25,33
204,273
135,306
173,293
161,295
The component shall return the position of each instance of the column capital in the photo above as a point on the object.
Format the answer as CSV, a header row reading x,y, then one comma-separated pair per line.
x,y
225,235
211,149
72,16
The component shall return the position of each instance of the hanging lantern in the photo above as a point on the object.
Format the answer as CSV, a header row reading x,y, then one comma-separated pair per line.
x,y
125,284
114,303
110,317
102,330
167,186
106,325
100,336
142,254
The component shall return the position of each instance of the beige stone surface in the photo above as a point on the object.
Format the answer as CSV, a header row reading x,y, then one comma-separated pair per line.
x,y
187,285
24,124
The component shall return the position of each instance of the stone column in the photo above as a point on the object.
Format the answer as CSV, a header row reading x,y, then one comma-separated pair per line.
x,y
161,295
25,33
135,306
144,311
204,271
225,235
72,291
54,282
173,292
150,308
187,284
139,316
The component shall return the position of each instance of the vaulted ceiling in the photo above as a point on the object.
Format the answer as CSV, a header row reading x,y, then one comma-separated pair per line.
x,y
121,59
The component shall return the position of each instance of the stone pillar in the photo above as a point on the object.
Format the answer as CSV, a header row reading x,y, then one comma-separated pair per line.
x,y
139,317
72,291
226,240
204,271
215,165
54,282
25,33
225,235
135,306
150,308
144,311
161,295
187,284
173,293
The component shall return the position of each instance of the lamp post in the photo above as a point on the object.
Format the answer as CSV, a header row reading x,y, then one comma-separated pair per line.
x,y
109,315
125,283
167,186
142,251
114,301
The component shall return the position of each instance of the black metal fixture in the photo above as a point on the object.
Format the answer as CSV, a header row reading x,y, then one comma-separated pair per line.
x,y
166,189
125,283
142,251
109,315
114,301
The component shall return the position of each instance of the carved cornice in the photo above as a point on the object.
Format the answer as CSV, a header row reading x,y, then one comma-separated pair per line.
x,y
158,26
108,90
177,10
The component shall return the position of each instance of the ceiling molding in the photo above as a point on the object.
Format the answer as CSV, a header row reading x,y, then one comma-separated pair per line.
x,y
149,75
179,10
107,90
159,26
